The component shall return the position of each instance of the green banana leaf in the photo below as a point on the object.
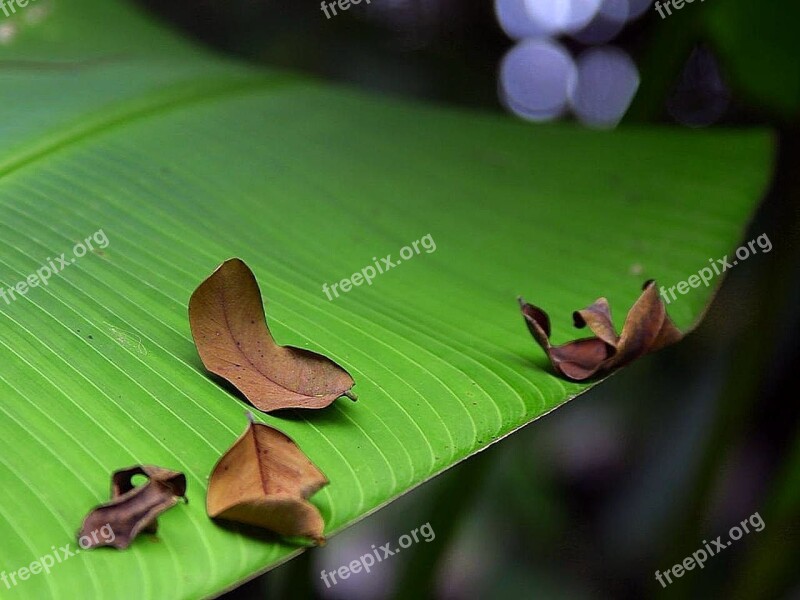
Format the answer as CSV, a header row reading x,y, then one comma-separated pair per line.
x,y
110,123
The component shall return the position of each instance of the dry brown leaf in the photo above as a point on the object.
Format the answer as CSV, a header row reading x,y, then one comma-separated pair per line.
x,y
265,480
647,328
134,509
232,337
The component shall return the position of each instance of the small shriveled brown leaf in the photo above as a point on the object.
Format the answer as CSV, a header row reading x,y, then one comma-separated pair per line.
x,y
134,509
232,337
597,317
647,328
577,360
265,480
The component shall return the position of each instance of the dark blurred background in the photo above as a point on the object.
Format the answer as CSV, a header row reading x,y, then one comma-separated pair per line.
x,y
632,477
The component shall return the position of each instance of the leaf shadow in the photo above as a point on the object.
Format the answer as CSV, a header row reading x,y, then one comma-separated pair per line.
x,y
530,360
318,416
543,364
263,535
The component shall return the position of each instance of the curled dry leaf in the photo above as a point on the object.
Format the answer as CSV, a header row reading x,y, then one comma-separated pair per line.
x,y
232,337
265,480
647,328
134,509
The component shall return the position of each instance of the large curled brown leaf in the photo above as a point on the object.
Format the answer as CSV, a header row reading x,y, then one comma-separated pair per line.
x,y
133,509
647,328
232,337
265,480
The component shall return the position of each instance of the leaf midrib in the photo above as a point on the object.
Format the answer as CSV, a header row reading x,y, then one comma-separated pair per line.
x,y
189,93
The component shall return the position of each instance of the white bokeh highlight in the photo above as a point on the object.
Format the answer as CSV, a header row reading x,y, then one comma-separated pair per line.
x,y
638,7
536,79
607,80
517,20
607,23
